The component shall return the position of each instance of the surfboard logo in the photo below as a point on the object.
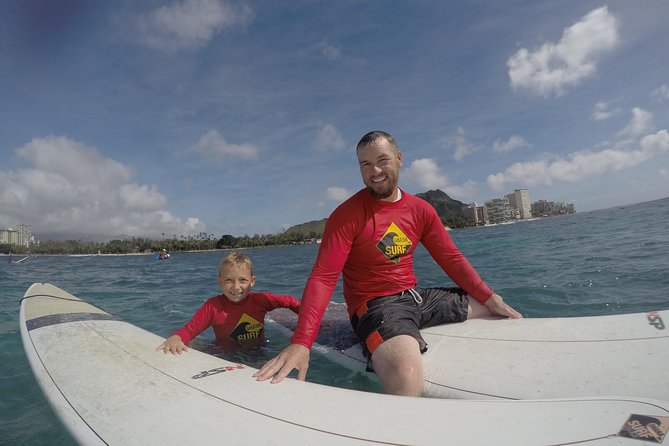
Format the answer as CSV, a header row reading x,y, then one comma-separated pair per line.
x,y
216,371
247,329
643,427
394,243
655,320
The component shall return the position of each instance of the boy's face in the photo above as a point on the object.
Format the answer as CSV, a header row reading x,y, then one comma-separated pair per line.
x,y
236,282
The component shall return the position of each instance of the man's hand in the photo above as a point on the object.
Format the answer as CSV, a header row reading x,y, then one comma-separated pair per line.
x,y
295,356
496,306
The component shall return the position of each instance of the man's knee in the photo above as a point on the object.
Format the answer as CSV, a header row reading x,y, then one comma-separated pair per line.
x,y
399,365
397,348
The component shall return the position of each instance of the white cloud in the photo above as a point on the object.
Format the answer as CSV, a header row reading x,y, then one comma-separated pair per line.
x,y
461,147
147,198
461,192
428,175
655,144
213,146
189,24
513,143
71,188
661,94
580,165
338,194
603,111
641,122
64,158
330,52
329,138
549,69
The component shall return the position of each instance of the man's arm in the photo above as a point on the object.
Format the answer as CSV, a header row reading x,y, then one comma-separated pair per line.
x,y
295,356
332,255
498,307
442,249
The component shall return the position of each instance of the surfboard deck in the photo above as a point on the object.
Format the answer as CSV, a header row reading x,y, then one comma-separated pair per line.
x,y
625,354
108,385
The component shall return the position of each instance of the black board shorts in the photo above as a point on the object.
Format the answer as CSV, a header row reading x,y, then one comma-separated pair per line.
x,y
405,314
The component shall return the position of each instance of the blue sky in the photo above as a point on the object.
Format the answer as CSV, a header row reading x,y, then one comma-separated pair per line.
x,y
179,117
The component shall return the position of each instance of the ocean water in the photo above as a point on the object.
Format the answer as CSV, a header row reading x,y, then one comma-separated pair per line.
x,y
609,261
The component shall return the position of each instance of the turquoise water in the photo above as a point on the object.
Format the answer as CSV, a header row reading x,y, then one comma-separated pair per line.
x,y
602,262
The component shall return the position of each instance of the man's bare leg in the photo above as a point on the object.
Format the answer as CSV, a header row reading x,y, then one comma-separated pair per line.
x,y
494,306
399,366
476,309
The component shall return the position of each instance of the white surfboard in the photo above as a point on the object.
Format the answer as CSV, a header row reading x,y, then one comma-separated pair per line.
x,y
109,386
624,354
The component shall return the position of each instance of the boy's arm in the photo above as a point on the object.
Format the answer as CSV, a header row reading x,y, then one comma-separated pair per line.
x,y
293,304
176,343
282,301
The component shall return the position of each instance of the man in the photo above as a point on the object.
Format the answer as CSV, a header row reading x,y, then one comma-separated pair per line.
x,y
371,238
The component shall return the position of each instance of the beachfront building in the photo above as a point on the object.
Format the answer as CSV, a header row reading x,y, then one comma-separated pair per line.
x,y
21,236
9,236
475,214
499,210
543,208
520,200
25,235
516,206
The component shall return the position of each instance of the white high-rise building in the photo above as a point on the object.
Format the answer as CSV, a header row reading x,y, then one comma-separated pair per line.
x,y
25,234
21,236
9,236
520,199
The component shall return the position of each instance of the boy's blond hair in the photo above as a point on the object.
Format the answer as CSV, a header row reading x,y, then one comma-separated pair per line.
x,y
237,259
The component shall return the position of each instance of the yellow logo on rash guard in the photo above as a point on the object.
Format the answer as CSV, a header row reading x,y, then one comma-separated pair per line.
x,y
247,329
394,243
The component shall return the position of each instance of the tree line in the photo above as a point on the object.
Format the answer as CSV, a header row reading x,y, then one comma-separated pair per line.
x,y
199,242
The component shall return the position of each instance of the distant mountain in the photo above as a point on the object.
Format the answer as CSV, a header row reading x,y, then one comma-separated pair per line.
x,y
312,228
449,210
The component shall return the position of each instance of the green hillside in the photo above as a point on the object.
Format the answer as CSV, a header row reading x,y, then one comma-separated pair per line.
x,y
312,229
449,210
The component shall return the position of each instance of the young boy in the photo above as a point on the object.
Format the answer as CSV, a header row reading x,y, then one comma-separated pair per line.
x,y
237,315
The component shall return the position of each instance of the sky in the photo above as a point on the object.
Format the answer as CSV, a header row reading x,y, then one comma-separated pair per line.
x,y
182,117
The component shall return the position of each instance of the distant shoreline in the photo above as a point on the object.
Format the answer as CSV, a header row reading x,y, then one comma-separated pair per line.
x,y
113,254
195,251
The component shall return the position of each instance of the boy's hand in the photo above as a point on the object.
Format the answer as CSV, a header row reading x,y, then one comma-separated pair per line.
x,y
173,345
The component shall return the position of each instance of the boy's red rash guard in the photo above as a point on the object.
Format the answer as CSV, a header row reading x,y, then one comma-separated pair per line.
x,y
372,243
225,315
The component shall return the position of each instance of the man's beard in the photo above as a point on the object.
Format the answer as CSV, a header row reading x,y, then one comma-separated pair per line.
x,y
384,193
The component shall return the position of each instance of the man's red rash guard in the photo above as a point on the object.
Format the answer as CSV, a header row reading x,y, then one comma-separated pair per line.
x,y
372,243
235,321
